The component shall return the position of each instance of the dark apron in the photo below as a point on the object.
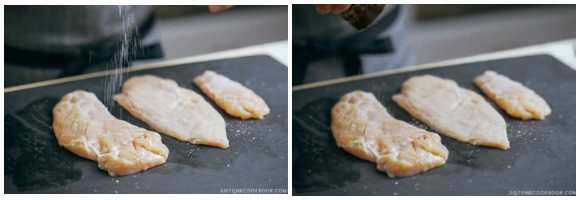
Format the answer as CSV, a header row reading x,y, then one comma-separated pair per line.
x,y
348,49
75,64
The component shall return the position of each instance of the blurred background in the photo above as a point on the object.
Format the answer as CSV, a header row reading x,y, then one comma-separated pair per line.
x,y
55,41
435,32
442,32
419,34
190,30
462,30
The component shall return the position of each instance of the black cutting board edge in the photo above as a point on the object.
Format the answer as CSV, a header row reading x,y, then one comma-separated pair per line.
x,y
256,158
537,147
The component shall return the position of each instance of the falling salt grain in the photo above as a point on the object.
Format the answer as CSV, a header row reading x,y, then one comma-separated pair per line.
x,y
509,167
396,183
116,192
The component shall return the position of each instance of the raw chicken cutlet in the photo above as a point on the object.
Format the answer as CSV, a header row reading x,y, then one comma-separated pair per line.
x,y
233,97
364,128
517,100
453,111
173,111
84,126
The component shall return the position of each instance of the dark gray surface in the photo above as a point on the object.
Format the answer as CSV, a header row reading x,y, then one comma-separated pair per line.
x,y
256,158
542,155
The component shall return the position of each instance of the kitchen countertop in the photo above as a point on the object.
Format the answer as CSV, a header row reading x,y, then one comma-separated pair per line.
x,y
536,146
563,50
277,50
273,59
256,158
470,170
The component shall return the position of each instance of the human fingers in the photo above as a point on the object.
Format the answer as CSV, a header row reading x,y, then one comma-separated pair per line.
x,y
323,8
219,8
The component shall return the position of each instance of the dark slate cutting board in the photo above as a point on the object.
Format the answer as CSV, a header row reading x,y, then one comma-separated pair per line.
x,y
542,156
256,159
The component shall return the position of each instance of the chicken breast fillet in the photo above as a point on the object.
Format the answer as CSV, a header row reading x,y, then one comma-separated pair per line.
x,y
83,125
517,100
233,97
453,111
362,127
173,111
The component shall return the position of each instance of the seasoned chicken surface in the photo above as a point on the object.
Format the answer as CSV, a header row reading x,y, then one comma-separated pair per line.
x,y
453,111
362,127
233,97
83,125
173,111
517,100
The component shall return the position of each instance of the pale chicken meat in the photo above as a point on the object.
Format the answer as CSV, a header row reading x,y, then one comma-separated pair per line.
x,y
517,100
85,127
233,97
174,111
364,128
453,111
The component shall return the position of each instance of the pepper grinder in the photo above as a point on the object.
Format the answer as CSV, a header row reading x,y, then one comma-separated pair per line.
x,y
360,16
